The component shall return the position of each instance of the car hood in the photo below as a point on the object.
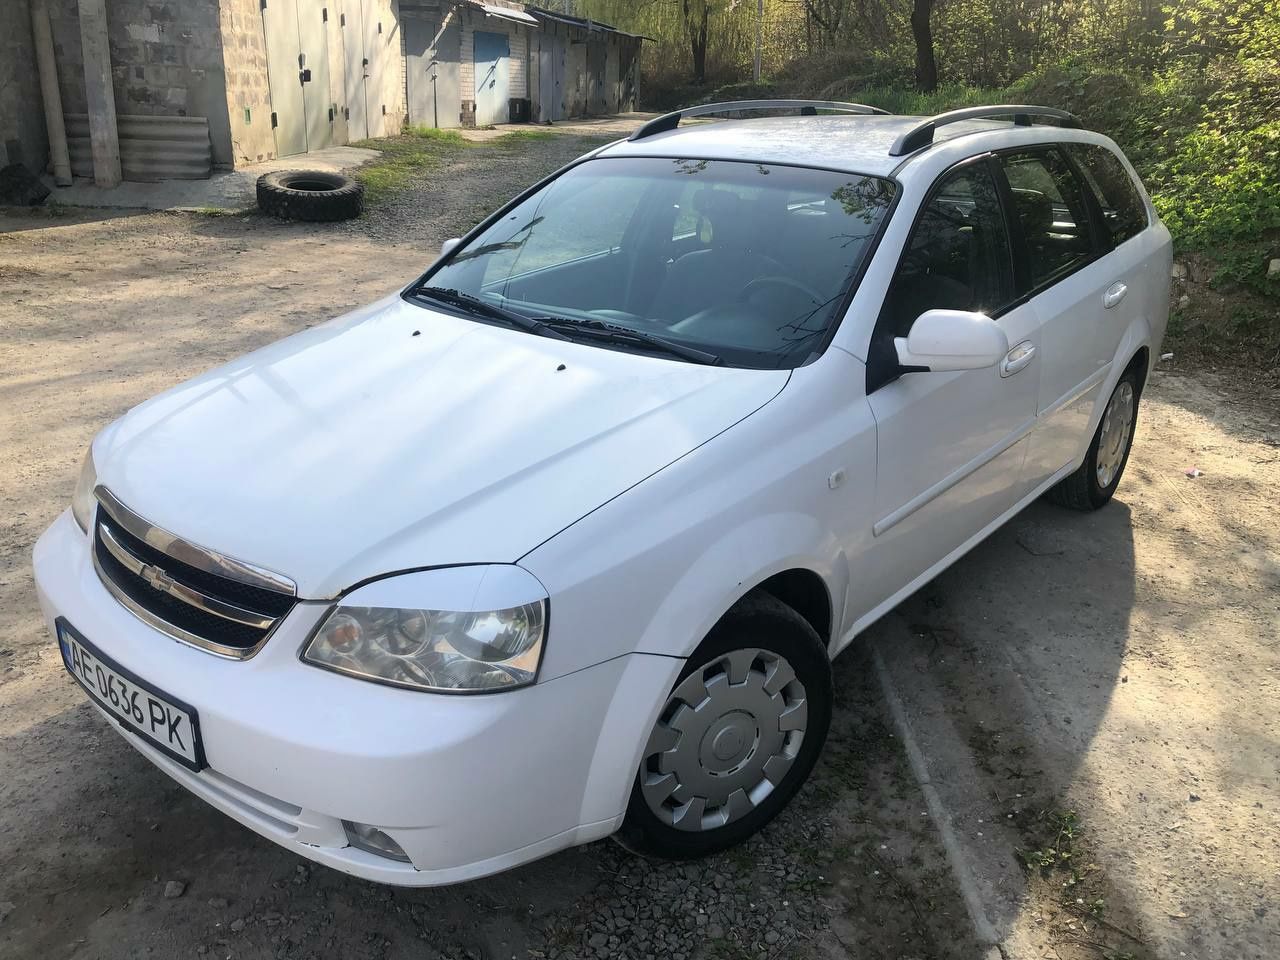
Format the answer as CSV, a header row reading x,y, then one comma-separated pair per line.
x,y
398,437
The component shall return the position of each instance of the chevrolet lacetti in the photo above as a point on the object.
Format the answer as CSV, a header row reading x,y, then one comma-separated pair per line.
x,y
558,542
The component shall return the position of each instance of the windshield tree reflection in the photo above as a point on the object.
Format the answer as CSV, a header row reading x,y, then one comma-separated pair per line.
x,y
749,262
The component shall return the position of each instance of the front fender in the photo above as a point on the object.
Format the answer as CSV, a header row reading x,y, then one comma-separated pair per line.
x,y
654,569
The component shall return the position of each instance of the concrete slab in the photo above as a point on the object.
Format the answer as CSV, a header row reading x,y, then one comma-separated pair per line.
x,y
225,190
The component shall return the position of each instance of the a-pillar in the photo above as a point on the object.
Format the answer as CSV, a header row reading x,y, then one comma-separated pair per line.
x,y
103,136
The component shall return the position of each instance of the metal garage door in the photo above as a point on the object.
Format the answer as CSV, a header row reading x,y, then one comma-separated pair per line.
x,y
376,57
351,24
596,103
317,98
298,72
492,62
432,52
288,115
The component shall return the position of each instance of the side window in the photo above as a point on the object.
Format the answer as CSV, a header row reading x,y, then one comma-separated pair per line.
x,y
958,255
1123,212
1049,205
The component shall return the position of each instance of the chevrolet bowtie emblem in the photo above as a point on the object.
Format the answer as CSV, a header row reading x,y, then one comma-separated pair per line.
x,y
157,578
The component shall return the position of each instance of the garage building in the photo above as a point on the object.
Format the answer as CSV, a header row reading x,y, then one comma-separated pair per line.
x,y
157,89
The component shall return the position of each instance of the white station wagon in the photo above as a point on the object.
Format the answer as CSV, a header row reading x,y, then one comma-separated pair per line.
x,y
558,542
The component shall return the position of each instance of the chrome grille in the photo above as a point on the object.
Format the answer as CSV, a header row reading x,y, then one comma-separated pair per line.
x,y
189,592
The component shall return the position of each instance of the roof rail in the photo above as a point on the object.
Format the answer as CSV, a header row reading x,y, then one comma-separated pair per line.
x,y
921,135
808,108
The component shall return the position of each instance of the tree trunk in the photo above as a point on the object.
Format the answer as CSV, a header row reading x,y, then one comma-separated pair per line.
x,y
696,15
926,66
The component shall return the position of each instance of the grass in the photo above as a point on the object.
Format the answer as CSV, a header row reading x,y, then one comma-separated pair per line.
x,y
420,149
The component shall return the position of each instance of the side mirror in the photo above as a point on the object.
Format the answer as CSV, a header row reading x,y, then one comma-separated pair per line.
x,y
446,248
943,340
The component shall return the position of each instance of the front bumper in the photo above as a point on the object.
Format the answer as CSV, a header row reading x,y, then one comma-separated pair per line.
x,y
467,785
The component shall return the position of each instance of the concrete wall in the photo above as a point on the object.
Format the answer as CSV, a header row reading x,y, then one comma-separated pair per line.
x,y
245,68
22,133
166,60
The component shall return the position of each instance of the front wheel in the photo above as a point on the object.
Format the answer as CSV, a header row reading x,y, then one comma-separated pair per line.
x,y
1091,486
738,735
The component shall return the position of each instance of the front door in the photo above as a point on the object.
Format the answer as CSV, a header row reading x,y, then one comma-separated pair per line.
x,y
492,61
949,445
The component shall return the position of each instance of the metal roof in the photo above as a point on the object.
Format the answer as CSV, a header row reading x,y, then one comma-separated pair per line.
x,y
505,13
583,23
859,144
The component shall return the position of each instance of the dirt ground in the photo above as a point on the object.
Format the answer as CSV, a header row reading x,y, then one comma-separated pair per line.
x,y
1095,694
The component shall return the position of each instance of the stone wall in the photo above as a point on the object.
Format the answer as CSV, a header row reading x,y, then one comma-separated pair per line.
x,y
166,60
22,133
248,94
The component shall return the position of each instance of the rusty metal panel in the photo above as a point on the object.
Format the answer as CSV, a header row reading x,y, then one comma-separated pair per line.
x,y
151,148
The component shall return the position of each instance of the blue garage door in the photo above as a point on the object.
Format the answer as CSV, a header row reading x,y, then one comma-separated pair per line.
x,y
492,59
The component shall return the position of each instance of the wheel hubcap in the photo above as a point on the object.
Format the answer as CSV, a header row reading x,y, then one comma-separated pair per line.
x,y
1117,426
725,739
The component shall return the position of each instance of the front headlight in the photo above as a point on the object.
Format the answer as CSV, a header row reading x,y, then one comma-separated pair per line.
x,y
83,501
435,646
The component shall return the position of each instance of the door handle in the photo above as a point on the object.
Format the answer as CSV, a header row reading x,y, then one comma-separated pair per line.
x,y
1017,358
1115,293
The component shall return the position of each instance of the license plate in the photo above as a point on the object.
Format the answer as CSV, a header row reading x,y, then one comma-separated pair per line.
x,y
163,721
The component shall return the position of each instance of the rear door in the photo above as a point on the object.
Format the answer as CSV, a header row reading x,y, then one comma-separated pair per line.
x,y
1075,286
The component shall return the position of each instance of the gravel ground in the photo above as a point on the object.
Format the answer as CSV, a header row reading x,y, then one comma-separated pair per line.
x,y
103,856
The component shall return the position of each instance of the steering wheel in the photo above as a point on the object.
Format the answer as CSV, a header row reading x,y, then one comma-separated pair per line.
x,y
748,292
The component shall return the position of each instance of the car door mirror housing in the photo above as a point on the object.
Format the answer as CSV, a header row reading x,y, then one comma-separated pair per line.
x,y
448,246
942,340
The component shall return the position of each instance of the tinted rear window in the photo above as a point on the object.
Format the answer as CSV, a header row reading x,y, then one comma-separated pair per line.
x,y
1123,212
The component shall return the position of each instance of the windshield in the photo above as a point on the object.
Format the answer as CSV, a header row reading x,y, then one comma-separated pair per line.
x,y
744,263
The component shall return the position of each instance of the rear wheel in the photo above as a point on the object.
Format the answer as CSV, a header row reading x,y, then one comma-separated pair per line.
x,y
738,735
1091,486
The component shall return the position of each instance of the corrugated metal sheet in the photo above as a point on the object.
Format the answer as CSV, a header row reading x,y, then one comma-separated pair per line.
x,y
151,148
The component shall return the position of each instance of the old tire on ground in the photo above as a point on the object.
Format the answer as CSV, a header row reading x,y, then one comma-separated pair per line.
x,y
739,734
310,195
1093,484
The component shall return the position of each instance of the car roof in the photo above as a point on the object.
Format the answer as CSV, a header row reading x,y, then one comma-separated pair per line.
x,y
858,144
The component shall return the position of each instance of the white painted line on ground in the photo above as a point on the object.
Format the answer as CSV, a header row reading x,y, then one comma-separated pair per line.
x,y
982,926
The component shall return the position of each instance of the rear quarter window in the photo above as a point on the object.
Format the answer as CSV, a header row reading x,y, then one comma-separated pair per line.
x,y
1123,212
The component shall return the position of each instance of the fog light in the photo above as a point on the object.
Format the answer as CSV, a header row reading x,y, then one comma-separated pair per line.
x,y
373,840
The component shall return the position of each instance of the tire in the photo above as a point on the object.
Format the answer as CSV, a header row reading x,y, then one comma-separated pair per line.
x,y
775,637
310,195
1090,488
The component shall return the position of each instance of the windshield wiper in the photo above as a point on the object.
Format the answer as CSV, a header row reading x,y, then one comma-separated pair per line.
x,y
610,333
482,308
